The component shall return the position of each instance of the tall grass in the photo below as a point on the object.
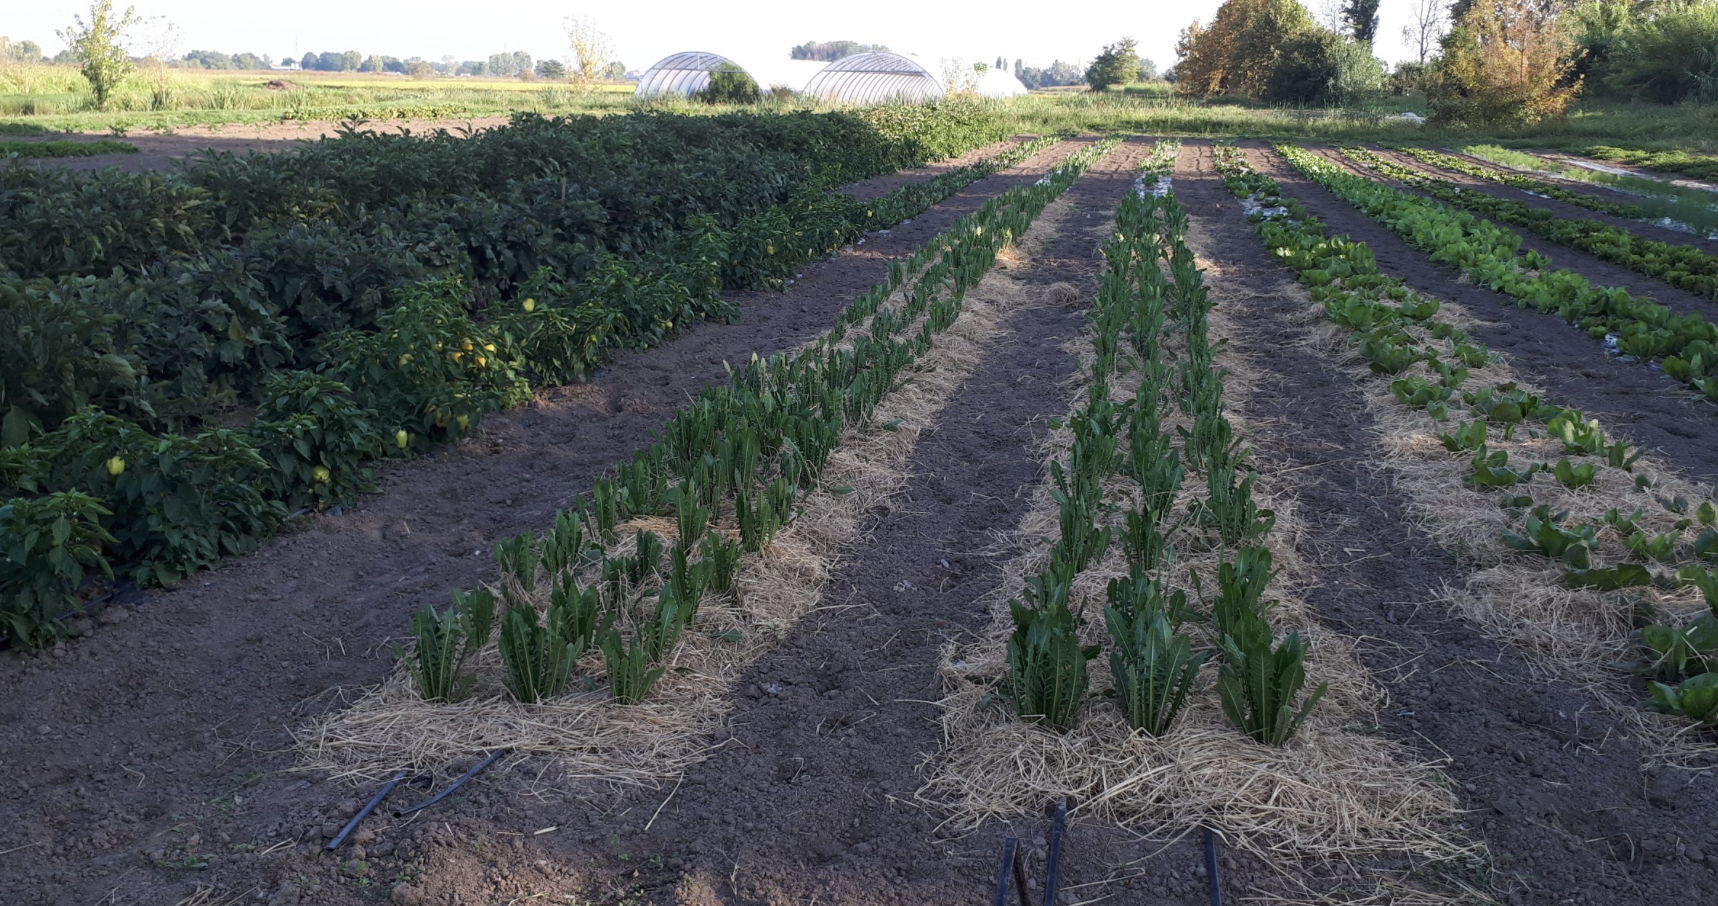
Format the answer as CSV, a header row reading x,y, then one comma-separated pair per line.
x,y
57,97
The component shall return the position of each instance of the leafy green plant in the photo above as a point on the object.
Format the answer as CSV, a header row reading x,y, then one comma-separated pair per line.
x,y
1470,436
1491,470
445,641
631,672
1230,511
562,547
1574,475
539,654
1153,668
518,559
1258,685
1674,652
1695,698
1241,584
1623,575
1046,664
1136,593
51,544
1647,546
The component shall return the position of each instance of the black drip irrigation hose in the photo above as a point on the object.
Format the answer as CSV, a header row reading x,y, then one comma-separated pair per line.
x,y
1014,863
1009,847
1211,868
364,812
1053,871
1020,878
478,768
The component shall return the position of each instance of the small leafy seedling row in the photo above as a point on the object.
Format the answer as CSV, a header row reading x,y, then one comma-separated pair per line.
x,y
1491,256
1394,329
1155,657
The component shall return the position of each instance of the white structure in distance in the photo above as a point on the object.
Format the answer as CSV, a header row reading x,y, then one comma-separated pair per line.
x,y
864,78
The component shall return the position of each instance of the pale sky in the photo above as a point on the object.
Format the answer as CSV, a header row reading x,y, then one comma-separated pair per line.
x,y
645,31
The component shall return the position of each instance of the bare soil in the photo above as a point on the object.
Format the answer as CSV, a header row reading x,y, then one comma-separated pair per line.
x,y
156,755
1634,401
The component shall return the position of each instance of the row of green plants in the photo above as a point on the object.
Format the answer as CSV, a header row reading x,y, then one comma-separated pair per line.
x,y
730,469
169,298
1649,199
159,506
39,149
1491,256
1681,266
1152,289
1680,162
616,182
1393,328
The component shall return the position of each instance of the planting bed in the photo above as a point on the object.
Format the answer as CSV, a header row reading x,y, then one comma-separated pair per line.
x,y
1636,402
1110,478
1567,802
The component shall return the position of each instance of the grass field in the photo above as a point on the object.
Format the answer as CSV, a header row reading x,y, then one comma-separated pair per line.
x,y
56,98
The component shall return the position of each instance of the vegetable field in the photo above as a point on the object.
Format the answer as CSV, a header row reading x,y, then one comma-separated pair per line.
x,y
799,508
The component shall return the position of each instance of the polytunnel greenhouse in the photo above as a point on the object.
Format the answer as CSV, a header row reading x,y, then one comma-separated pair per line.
x,y
872,78
688,73
999,83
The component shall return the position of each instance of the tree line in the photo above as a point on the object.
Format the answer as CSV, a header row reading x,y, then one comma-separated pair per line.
x,y
1478,62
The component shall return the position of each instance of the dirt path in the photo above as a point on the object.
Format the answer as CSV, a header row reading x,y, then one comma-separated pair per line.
x,y
867,189
1633,401
1555,786
144,744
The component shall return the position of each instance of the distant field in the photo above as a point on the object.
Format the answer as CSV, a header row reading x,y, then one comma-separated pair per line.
x,y
56,98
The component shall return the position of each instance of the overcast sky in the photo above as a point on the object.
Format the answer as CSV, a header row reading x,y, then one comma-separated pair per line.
x,y
645,31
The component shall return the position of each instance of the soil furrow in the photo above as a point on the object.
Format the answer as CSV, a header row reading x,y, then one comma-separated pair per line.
x,y
182,698
1599,271
1633,401
1555,785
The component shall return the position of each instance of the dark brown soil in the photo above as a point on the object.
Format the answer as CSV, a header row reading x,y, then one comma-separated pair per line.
x,y
1598,270
156,755
1555,786
1633,401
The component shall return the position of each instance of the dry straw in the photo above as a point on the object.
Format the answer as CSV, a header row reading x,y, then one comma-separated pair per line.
x,y
1337,791
391,727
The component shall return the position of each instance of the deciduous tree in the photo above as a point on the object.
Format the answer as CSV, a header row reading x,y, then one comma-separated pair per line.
x,y
99,47
1506,61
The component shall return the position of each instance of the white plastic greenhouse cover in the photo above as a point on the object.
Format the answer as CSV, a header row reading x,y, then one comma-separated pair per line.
x,y
999,83
870,78
688,73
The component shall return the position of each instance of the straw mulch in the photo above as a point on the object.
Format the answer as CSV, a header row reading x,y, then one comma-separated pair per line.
x,y
1338,790
390,727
